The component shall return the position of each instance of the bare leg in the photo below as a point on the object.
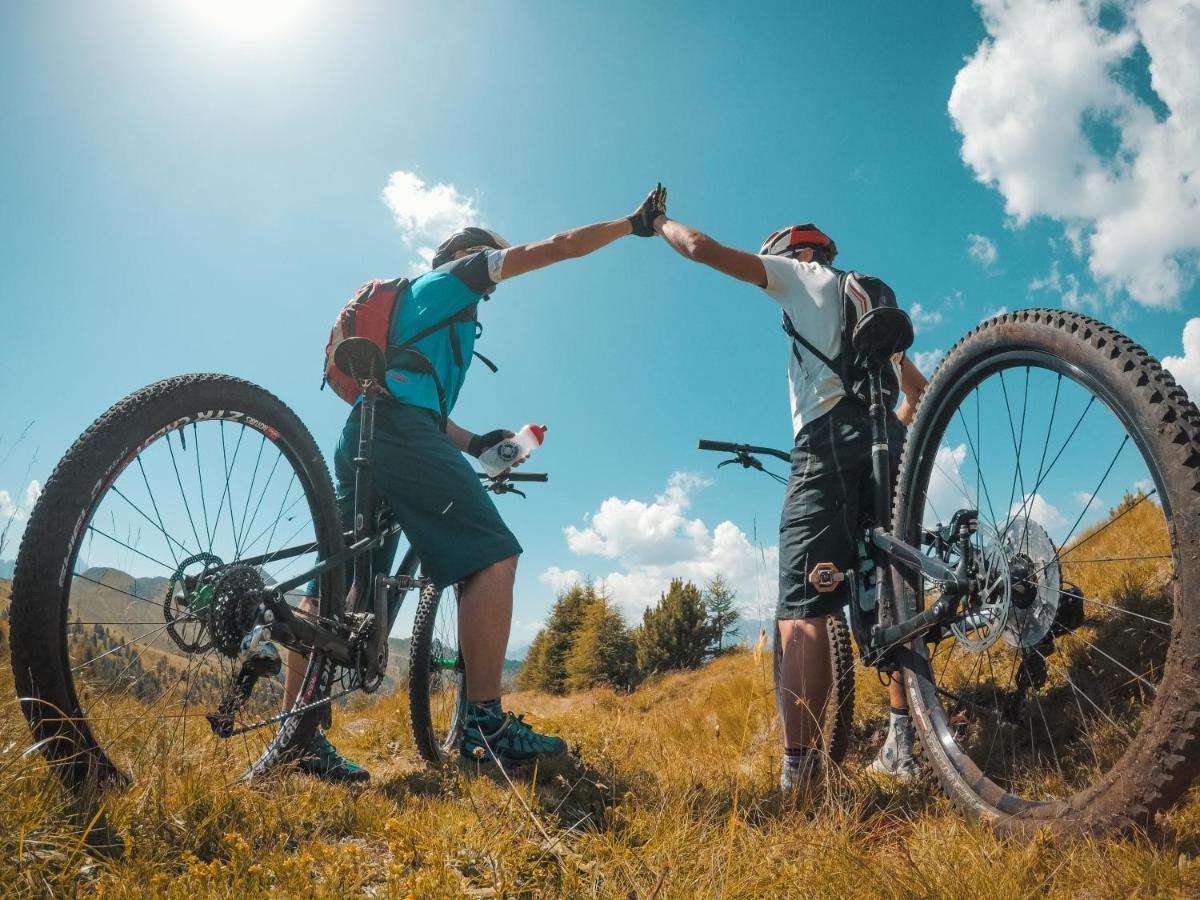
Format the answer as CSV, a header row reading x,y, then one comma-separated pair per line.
x,y
295,663
484,620
805,679
896,695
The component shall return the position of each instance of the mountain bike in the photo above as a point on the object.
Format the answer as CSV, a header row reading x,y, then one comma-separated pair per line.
x,y
1036,576
170,556
839,709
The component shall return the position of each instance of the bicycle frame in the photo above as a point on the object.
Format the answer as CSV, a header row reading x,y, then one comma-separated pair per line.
x,y
876,641
378,594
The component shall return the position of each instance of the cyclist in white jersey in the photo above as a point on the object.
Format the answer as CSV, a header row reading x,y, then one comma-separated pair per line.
x,y
830,480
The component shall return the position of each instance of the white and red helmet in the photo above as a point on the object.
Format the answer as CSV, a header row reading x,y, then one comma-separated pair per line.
x,y
794,237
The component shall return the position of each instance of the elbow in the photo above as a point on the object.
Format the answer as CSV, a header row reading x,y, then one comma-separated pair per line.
x,y
564,246
700,248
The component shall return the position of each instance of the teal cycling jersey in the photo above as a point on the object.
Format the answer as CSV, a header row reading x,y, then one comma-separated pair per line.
x,y
448,291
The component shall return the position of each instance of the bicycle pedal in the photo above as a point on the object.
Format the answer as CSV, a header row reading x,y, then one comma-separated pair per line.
x,y
399,582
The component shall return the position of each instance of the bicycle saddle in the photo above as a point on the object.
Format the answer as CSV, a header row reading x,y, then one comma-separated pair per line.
x,y
360,358
882,332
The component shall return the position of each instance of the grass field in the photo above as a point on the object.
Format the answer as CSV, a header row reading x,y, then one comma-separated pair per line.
x,y
668,793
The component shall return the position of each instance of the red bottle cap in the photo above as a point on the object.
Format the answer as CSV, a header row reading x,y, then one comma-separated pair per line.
x,y
539,432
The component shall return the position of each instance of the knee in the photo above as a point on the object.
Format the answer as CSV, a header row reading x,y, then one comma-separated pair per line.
x,y
505,569
800,630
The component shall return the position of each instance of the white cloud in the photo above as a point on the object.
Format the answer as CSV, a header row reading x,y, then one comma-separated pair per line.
x,y
1071,294
1041,511
947,491
559,580
427,214
928,360
1186,368
982,250
1048,120
649,543
1083,498
992,313
924,319
19,512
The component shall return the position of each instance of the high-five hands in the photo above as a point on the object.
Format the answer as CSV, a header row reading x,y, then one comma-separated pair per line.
x,y
643,218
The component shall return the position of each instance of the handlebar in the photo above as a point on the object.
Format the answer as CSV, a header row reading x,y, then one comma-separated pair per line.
x,y
738,449
514,476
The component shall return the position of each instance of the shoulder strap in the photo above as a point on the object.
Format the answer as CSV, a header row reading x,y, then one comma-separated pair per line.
x,y
790,330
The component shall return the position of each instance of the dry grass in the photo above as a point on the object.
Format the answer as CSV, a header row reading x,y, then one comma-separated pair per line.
x,y
668,794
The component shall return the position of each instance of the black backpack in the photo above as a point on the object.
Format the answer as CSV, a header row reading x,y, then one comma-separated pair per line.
x,y
860,294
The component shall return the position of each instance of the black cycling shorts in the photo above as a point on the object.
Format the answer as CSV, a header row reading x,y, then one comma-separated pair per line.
x,y
827,494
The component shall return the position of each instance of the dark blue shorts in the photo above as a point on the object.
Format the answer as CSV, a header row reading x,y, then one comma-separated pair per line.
x,y
828,493
432,490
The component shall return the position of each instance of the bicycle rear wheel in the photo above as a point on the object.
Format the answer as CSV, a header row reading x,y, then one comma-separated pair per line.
x,y
437,689
1067,694
130,603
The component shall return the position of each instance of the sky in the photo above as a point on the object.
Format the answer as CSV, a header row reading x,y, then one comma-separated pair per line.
x,y
194,186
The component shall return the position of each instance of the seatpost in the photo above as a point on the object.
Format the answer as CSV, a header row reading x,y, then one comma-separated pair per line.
x,y
364,492
880,453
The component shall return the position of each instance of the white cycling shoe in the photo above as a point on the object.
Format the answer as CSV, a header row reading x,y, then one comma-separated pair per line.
x,y
897,758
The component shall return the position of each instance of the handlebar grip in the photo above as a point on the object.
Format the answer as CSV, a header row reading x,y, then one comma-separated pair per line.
x,y
514,476
719,446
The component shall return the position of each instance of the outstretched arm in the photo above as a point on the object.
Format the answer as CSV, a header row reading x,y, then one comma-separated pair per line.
x,y
582,241
699,247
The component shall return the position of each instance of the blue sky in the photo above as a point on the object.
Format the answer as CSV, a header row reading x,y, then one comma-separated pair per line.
x,y
191,187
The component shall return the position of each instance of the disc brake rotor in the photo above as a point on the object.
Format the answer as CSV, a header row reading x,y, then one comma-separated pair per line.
x,y
1030,620
186,605
983,623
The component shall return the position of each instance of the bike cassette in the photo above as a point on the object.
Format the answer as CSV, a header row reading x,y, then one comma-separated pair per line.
x,y
236,595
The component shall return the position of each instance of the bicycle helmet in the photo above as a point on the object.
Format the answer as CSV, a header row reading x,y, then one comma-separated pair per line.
x,y
468,237
786,240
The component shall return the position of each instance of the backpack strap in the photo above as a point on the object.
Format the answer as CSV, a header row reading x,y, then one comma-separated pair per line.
x,y
839,365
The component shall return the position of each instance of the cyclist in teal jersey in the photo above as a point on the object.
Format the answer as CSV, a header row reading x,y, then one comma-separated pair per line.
x,y
420,471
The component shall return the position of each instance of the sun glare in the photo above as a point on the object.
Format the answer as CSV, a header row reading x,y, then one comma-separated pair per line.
x,y
248,19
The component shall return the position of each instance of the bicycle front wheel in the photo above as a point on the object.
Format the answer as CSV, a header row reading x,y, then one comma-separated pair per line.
x,y
1067,693
437,689
138,578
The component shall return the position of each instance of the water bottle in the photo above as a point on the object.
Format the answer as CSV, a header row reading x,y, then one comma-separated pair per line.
x,y
500,457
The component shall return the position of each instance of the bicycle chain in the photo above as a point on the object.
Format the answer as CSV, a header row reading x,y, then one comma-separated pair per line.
x,y
294,711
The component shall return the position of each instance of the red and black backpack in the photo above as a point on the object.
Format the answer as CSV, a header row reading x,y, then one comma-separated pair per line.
x,y
369,314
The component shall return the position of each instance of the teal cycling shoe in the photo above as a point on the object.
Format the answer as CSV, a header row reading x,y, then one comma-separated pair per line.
x,y
321,760
508,740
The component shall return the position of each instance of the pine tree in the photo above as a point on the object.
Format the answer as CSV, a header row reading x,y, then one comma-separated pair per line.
x,y
603,652
545,667
532,674
722,616
675,633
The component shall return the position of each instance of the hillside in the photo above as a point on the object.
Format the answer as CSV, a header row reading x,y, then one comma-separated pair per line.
x,y
669,792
